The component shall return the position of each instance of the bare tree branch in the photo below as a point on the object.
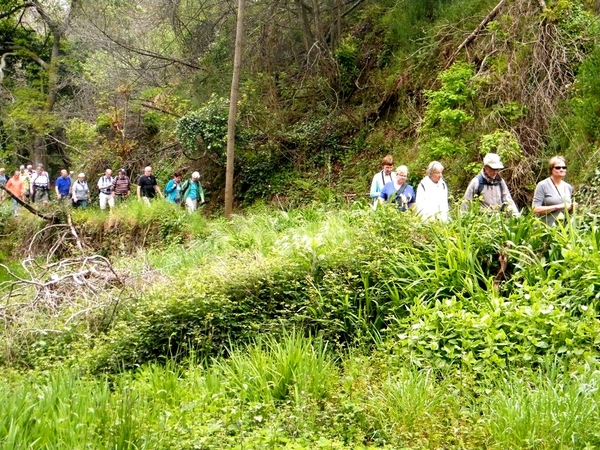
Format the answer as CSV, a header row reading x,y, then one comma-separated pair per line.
x,y
10,12
471,37
31,209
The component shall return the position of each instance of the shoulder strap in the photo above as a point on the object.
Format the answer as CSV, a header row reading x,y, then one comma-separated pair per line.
x,y
422,186
481,181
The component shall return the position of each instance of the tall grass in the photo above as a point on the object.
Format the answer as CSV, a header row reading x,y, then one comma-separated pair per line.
x,y
550,410
272,370
290,393
62,410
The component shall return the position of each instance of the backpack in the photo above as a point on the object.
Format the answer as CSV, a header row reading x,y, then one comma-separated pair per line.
x,y
483,182
184,187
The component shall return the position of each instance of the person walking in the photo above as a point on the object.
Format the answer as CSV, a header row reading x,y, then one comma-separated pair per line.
x,y
552,199
432,194
380,179
3,181
399,191
192,192
25,177
104,186
40,186
121,187
80,192
490,188
173,189
63,186
15,187
148,187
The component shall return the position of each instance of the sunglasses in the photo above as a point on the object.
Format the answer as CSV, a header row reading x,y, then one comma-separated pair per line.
x,y
560,167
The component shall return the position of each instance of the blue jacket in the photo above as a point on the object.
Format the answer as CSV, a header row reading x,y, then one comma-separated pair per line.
x,y
173,191
389,192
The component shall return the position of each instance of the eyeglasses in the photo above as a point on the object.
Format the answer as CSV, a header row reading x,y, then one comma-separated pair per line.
x,y
560,167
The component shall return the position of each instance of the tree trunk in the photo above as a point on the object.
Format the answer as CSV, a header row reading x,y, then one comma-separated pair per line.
x,y
237,63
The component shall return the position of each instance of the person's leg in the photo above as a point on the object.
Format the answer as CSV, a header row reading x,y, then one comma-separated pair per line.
x,y
15,207
103,199
111,201
190,205
146,201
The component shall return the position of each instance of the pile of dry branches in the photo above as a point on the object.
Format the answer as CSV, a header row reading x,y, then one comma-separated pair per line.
x,y
51,285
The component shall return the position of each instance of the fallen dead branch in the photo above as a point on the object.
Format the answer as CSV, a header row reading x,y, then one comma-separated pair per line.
x,y
73,282
49,217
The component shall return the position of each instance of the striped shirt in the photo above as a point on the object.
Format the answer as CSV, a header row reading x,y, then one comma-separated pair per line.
x,y
121,186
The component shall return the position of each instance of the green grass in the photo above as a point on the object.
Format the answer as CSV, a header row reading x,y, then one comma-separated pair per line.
x,y
293,393
416,341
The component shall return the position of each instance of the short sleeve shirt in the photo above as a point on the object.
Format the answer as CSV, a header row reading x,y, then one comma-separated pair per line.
x,y
146,184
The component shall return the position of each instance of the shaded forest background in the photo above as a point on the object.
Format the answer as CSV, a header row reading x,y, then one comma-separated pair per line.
x,y
328,87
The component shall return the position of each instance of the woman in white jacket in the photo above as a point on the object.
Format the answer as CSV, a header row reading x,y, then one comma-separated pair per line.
x,y
432,194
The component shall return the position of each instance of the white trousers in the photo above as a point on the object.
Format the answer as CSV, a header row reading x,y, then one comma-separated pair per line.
x,y
106,199
191,205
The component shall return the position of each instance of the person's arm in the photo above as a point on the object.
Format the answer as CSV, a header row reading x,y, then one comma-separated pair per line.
x,y
158,191
421,201
469,194
508,200
201,192
538,201
171,186
139,191
374,193
410,192
383,195
56,189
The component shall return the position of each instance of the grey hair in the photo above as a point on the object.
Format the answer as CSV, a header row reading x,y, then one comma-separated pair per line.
x,y
402,169
434,166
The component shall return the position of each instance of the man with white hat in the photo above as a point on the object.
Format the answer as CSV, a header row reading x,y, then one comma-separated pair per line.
x,y
489,187
192,191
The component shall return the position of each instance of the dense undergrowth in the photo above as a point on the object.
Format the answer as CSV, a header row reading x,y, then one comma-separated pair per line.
x,y
322,327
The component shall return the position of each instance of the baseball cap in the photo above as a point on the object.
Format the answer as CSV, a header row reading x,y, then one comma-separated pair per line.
x,y
492,160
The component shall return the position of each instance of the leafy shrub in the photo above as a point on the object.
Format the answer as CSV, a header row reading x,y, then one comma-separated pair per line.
x,y
205,130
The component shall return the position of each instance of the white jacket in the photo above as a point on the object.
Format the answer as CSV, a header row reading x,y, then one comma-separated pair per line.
x,y
432,199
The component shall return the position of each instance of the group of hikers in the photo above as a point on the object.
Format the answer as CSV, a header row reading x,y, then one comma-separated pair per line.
x,y
552,199
34,186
